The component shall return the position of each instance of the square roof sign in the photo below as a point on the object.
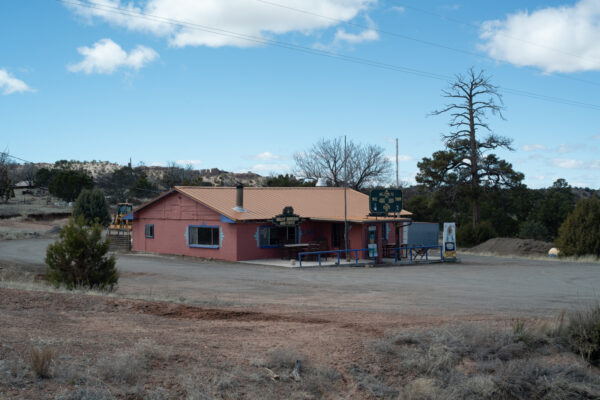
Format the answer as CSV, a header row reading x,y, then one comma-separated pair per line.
x,y
385,201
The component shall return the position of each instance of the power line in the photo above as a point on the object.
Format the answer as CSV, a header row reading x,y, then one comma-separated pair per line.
x,y
411,38
309,50
458,21
3,153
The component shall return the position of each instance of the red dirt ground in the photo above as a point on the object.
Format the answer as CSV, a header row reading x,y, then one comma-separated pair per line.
x,y
193,344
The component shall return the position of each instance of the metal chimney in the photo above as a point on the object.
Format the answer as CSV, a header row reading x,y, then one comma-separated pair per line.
x,y
239,198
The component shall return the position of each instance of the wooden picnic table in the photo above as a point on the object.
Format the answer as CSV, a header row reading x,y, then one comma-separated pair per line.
x,y
291,250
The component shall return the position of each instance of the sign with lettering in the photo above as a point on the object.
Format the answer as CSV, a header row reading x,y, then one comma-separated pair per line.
x,y
385,201
449,241
287,218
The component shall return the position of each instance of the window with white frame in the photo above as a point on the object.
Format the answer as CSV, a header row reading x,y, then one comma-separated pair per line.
x,y
203,236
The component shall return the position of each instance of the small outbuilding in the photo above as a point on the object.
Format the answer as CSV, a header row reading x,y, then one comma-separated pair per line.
x,y
237,223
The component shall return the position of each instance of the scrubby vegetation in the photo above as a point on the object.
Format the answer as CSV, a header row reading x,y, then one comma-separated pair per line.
x,y
473,362
40,361
67,184
92,206
79,258
510,212
580,233
582,333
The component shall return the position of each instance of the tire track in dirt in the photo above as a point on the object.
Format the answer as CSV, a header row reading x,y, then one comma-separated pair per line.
x,y
181,311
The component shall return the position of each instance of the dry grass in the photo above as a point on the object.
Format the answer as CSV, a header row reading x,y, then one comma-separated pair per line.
x,y
12,372
474,362
582,333
41,361
589,259
315,381
129,367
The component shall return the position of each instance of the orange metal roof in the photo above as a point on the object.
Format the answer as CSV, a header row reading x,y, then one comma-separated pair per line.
x,y
260,203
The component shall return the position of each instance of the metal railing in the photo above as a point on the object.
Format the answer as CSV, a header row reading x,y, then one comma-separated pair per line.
x,y
410,252
339,252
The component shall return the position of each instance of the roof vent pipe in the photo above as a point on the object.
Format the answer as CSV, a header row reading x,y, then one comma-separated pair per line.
x,y
239,198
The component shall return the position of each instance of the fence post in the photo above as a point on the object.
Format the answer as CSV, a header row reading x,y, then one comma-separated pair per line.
x,y
338,257
319,259
411,254
427,254
300,259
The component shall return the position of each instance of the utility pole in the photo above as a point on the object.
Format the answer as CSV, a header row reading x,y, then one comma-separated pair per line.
x,y
346,201
397,180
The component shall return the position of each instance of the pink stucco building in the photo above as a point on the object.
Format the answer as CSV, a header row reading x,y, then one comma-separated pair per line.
x,y
236,224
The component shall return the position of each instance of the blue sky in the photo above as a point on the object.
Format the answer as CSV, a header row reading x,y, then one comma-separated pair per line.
x,y
100,82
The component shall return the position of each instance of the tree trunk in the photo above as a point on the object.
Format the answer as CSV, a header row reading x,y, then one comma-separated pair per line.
x,y
474,162
475,212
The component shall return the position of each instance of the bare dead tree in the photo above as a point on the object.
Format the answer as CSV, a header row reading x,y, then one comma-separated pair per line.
x,y
366,164
6,183
465,161
28,172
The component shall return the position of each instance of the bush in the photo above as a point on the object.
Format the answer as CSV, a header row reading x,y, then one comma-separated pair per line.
x,y
580,233
533,230
40,361
466,235
91,205
67,184
583,333
79,258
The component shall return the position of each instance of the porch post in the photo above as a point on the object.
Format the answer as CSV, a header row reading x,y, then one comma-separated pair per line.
x,y
380,243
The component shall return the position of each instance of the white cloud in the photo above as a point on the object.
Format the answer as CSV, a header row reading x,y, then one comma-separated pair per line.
x,y
9,84
189,162
553,39
365,36
597,136
533,147
267,156
240,16
105,56
266,169
568,163
398,9
569,148
368,35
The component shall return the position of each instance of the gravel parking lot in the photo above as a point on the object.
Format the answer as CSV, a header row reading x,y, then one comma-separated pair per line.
x,y
481,285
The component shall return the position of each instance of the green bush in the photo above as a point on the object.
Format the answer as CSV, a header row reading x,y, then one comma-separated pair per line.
x,y
79,258
91,205
467,236
533,230
67,184
580,233
583,333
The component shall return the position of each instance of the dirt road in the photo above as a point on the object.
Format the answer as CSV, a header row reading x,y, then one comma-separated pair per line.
x,y
482,285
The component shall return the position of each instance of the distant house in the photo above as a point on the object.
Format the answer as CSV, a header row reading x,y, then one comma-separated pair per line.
x,y
245,223
23,185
